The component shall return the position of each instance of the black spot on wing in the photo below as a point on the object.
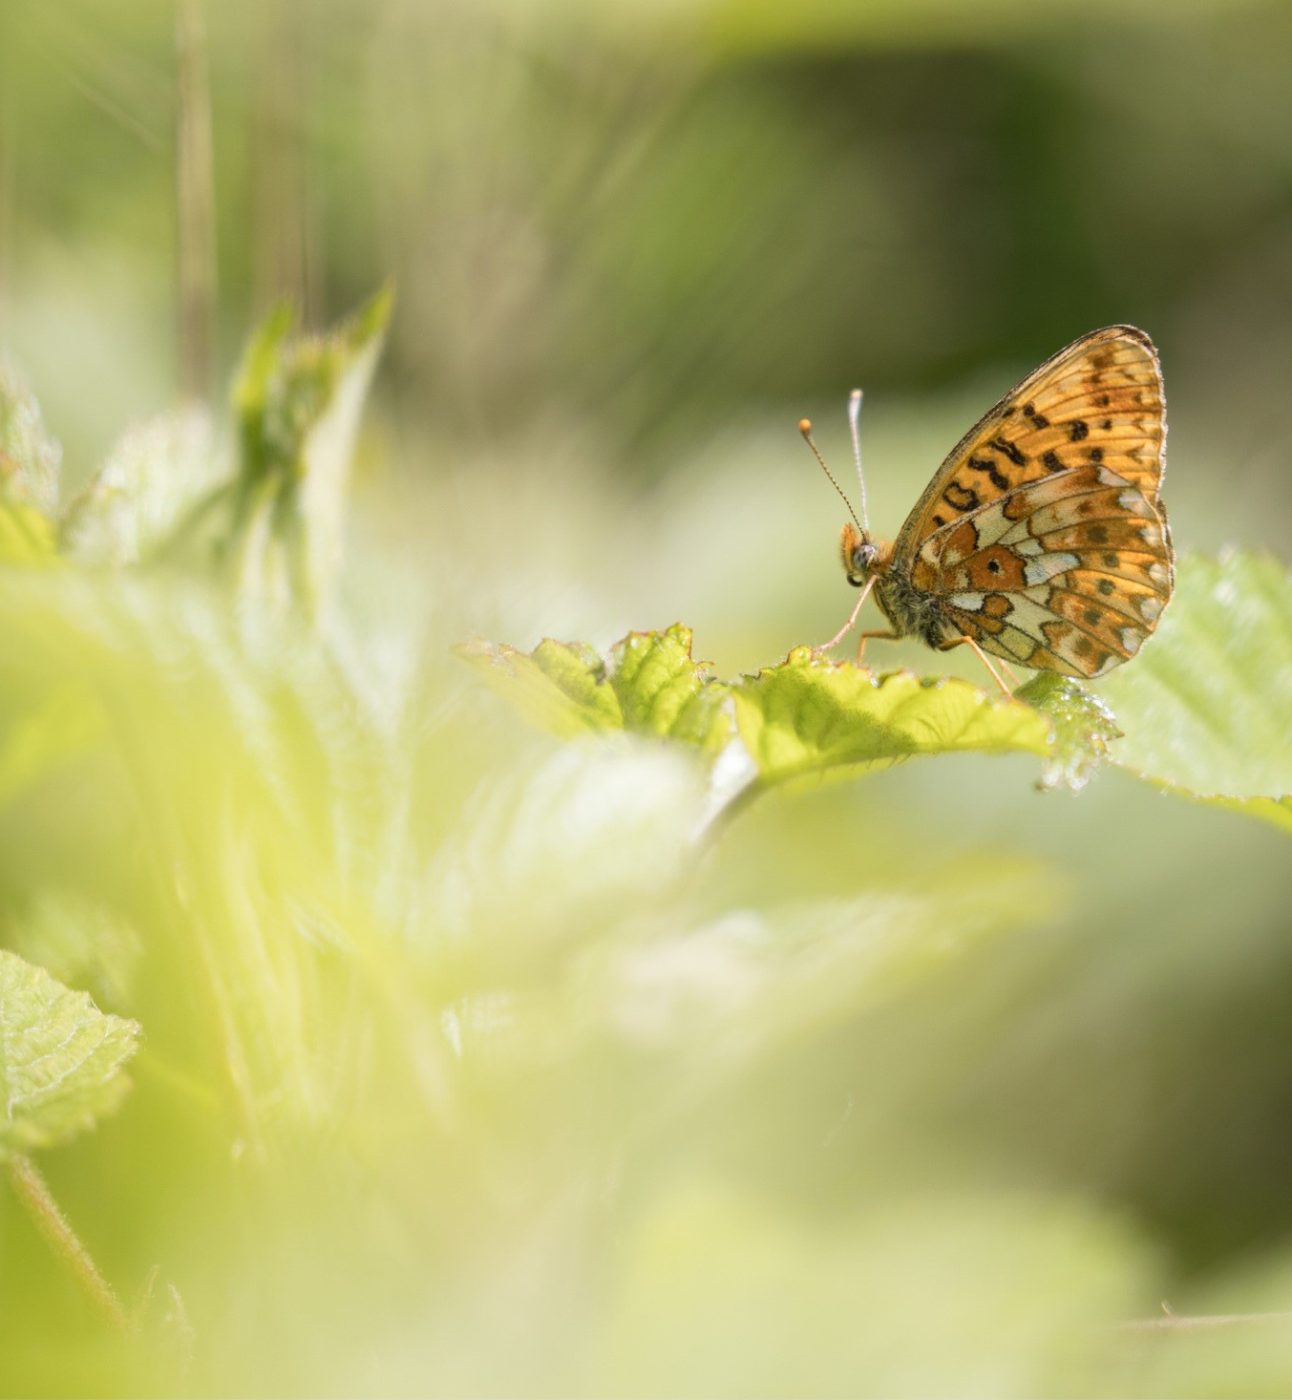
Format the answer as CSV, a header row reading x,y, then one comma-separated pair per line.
x,y
961,498
1010,450
1050,461
1000,482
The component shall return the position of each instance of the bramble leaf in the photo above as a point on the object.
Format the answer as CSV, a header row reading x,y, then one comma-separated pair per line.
x,y
1206,707
649,686
806,716
61,1058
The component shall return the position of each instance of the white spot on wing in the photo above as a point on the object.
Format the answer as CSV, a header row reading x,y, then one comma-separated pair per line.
x,y
1048,566
969,602
1131,639
1133,503
990,525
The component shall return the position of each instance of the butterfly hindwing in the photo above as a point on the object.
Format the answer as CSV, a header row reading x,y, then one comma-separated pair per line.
x,y
1069,573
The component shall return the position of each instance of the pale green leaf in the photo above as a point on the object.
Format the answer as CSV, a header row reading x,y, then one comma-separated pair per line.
x,y
1207,705
805,716
61,1058
650,685
26,534
809,715
153,476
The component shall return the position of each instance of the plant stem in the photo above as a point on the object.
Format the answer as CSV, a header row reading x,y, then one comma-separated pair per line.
x,y
33,1191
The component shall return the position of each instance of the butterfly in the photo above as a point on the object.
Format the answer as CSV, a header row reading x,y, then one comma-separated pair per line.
x,y
1042,538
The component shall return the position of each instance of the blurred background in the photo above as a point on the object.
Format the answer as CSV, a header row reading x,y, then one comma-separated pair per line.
x,y
924,1083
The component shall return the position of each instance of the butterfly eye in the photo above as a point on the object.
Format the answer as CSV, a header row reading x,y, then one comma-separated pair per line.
x,y
863,556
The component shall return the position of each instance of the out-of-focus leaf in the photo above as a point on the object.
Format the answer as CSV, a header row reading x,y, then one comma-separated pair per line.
x,y
298,402
29,456
751,981
63,723
151,478
77,941
593,833
1207,705
29,468
26,535
61,1058
714,1293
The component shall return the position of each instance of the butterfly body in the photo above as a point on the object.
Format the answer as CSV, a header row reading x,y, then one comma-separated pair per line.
x,y
1042,537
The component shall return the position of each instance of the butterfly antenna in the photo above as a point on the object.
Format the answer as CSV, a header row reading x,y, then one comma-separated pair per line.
x,y
805,427
854,414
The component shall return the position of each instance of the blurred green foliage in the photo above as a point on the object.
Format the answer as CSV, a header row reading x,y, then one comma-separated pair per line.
x,y
463,1065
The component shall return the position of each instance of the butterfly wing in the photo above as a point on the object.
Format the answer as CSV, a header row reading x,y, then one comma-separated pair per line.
x,y
1042,536
1067,574
1099,400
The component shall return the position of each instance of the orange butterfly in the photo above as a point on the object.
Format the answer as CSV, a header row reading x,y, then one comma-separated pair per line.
x,y
1041,538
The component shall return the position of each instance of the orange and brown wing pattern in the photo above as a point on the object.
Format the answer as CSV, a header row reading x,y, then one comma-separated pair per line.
x,y
1098,402
1069,573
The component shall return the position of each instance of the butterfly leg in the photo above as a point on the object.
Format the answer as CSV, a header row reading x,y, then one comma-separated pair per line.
x,y
888,636
847,626
982,656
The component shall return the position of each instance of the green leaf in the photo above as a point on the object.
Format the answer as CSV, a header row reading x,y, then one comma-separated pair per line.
x,y
1206,705
649,686
298,401
809,715
61,1058
26,535
805,716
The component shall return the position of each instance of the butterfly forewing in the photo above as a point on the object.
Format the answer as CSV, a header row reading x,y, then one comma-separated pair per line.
x,y
1042,536
1099,400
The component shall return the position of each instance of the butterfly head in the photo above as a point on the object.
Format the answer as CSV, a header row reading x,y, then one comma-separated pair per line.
x,y
862,556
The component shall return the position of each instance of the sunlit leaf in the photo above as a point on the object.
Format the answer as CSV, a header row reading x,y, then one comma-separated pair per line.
x,y
155,474
61,1058
806,716
1206,706
650,685
26,535
809,715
